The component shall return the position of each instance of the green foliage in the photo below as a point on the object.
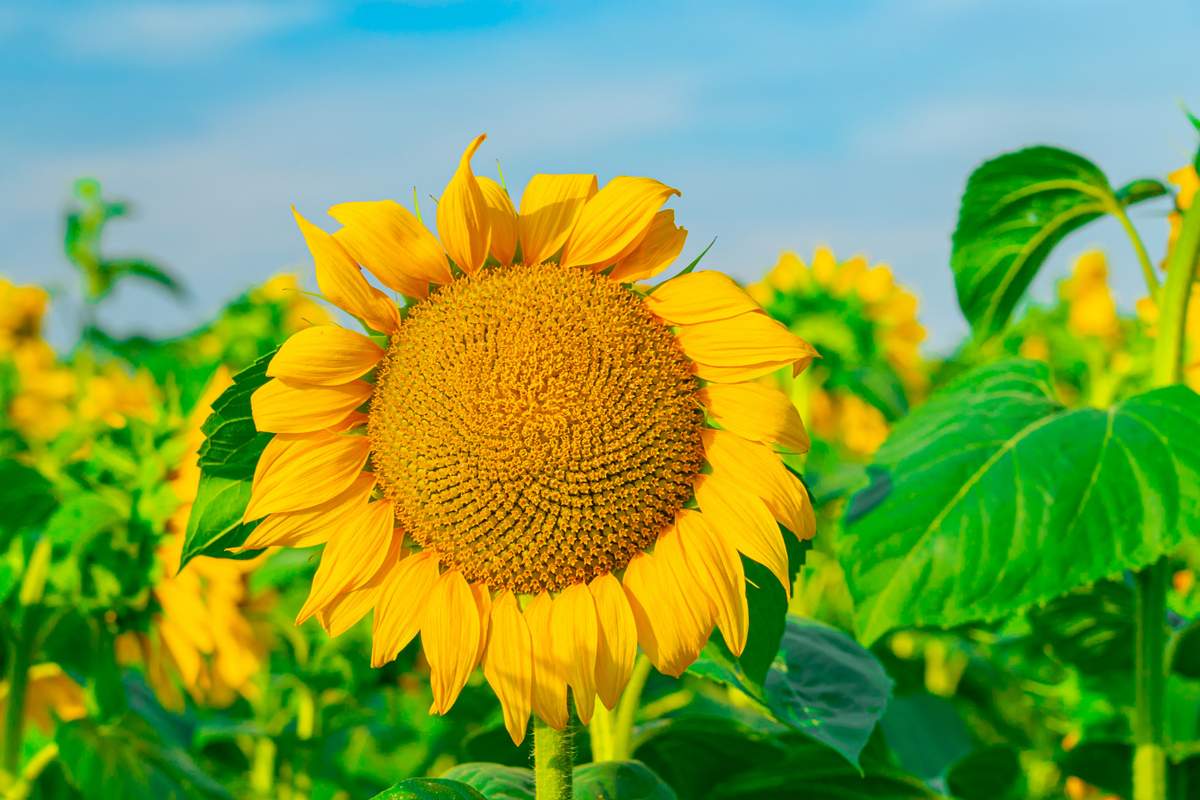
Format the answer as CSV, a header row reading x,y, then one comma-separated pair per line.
x,y
494,781
232,444
429,789
215,524
1015,210
617,780
993,496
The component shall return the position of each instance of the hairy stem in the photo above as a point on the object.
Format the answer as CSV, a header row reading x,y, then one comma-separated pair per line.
x,y
553,761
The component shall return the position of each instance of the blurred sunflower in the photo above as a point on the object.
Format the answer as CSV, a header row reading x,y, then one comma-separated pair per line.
x,y
865,327
203,633
508,468
49,694
1186,181
38,405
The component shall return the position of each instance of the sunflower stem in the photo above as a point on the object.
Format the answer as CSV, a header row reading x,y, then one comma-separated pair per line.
x,y
14,714
553,760
1149,761
1139,248
631,699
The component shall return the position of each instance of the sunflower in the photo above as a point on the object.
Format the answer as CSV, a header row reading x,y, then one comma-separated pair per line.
x,y
50,694
39,405
202,634
861,321
537,465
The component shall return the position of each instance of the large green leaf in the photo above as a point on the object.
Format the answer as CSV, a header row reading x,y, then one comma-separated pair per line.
x,y
232,444
1014,211
494,781
429,789
1089,629
827,687
619,780
215,523
26,497
993,496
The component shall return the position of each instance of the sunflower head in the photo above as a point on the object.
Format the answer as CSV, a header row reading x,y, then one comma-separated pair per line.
x,y
539,464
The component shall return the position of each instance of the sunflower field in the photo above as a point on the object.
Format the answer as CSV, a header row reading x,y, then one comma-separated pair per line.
x,y
522,503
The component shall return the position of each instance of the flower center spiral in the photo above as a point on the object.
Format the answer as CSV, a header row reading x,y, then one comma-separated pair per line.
x,y
536,426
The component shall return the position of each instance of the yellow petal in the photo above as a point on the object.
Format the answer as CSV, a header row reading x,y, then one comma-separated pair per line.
x,y
325,355
649,614
743,347
746,522
718,571
299,472
574,622
693,609
311,526
348,608
755,469
616,640
549,663
550,207
615,218
356,550
705,296
280,406
660,247
462,215
508,664
401,602
503,219
483,605
756,412
450,636
343,284
387,239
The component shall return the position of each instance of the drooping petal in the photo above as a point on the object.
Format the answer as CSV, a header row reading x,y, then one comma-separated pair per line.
x,y
613,220
759,471
346,609
649,612
654,253
304,471
696,297
357,549
616,640
743,519
450,636
693,608
742,348
508,664
574,621
718,572
311,526
401,605
503,220
343,284
386,238
281,406
483,605
550,206
756,412
549,663
462,215
325,355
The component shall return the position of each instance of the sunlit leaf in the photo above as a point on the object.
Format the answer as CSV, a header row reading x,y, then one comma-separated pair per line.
x,y
494,781
1015,210
216,523
429,789
999,497
232,444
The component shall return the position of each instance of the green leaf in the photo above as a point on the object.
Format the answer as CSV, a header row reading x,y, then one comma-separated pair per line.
x,y
232,444
1015,210
429,789
1140,190
146,270
1185,652
26,497
828,687
926,733
993,773
619,780
1089,629
494,781
82,517
999,498
1107,765
215,523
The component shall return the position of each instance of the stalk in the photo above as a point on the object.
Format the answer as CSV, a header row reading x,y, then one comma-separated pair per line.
x,y
14,715
553,761
1149,761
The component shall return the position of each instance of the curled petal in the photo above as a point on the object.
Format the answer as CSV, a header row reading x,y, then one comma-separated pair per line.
x,y
299,472
757,470
386,238
746,522
756,412
462,215
718,572
401,602
654,253
346,609
311,526
357,549
343,284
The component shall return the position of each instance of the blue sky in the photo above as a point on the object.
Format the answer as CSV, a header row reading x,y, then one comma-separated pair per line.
x,y
786,125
